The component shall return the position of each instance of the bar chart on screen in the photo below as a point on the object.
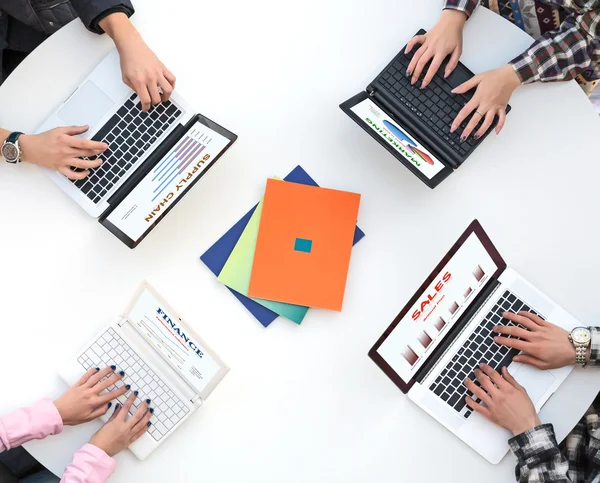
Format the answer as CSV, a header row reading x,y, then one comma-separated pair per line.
x,y
182,155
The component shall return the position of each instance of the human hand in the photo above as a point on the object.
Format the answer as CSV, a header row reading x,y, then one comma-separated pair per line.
x,y
141,69
506,401
83,402
494,89
444,39
118,433
59,149
547,346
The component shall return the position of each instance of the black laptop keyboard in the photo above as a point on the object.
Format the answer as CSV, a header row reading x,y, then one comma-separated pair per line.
x,y
129,133
479,347
435,105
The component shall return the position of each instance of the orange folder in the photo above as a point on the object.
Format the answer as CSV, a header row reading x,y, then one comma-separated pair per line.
x,y
304,244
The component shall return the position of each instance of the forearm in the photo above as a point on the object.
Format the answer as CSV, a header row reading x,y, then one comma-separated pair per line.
x,y
466,6
119,28
90,465
3,135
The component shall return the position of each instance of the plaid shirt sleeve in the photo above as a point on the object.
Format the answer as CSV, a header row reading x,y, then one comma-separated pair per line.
x,y
539,457
595,347
467,6
564,53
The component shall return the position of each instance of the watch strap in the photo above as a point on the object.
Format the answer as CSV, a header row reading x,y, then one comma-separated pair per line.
x,y
13,137
580,354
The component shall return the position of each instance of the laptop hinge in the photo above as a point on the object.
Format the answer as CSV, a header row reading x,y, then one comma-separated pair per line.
x,y
460,326
445,156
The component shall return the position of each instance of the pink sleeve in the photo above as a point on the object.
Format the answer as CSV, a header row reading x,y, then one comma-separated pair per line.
x,y
90,465
36,422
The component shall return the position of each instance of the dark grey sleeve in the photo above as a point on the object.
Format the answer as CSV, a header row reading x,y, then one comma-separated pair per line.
x,y
92,11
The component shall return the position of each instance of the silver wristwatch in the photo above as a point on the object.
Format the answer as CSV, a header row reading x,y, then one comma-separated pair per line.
x,y
10,149
580,337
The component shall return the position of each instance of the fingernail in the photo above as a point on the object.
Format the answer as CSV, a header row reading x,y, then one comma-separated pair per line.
x,y
496,339
122,373
97,368
446,74
453,91
128,387
117,406
477,136
147,401
481,364
136,392
463,139
408,72
109,405
151,410
148,424
113,367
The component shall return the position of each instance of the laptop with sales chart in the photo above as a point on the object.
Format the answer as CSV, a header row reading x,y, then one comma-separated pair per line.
x,y
162,358
413,124
445,331
153,158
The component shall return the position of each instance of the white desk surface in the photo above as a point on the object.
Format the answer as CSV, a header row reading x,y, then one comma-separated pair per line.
x,y
301,404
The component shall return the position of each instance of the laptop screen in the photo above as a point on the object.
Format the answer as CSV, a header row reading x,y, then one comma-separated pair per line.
x,y
439,303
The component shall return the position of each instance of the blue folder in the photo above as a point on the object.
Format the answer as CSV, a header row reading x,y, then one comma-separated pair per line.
x,y
217,255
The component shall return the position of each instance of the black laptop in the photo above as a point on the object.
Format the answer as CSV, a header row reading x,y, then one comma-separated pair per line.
x,y
414,124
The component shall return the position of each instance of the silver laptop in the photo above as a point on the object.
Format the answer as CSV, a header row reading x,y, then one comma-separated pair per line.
x,y
162,358
445,331
138,141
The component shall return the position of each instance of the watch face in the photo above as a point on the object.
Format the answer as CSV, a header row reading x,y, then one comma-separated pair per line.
x,y
581,335
10,152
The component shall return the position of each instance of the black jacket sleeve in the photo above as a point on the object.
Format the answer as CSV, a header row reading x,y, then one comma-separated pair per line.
x,y
92,11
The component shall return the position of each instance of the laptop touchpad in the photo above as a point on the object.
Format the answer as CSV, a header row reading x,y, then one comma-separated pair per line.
x,y
87,106
534,380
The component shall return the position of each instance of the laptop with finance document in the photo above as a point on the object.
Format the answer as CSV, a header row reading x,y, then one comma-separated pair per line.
x,y
413,124
162,358
153,158
445,331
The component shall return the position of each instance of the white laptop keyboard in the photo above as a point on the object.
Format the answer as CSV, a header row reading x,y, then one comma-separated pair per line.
x,y
110,349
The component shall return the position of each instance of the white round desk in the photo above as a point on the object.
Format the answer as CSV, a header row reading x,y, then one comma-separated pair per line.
x,y
301,404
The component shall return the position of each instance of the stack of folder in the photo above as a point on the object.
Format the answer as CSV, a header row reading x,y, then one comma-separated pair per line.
x,y
291,251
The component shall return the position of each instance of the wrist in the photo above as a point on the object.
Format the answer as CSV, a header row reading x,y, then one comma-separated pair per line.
x,y
25,145
457,17
511,77
523,426
119,28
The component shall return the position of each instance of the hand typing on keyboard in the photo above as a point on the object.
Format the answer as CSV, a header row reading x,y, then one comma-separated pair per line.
x,y
547,346
119,432
83,402
493,91
506,401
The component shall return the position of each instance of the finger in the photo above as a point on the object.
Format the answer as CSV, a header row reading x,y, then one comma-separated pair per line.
x,y
166,87
139,434
116,412
110,395
485,382
83,379
139,414
511,380
472,124
487,122
413,62
100,411
519,318
127,406
417,39
421,63
154,92
513,343
530,360
467,86
433,68
463,114
95,147
74,130
477,391
512,331
534,318
170,77
144,95
477,407
85,164
452,62
109,381
101,374
501,120
69,173
143,422
493,375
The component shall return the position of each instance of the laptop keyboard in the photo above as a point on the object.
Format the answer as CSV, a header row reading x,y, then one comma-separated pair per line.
x,y
479,347
129,133
435,105
110,349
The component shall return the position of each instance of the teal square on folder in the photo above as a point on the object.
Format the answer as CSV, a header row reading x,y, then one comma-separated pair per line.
x,y
302,245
